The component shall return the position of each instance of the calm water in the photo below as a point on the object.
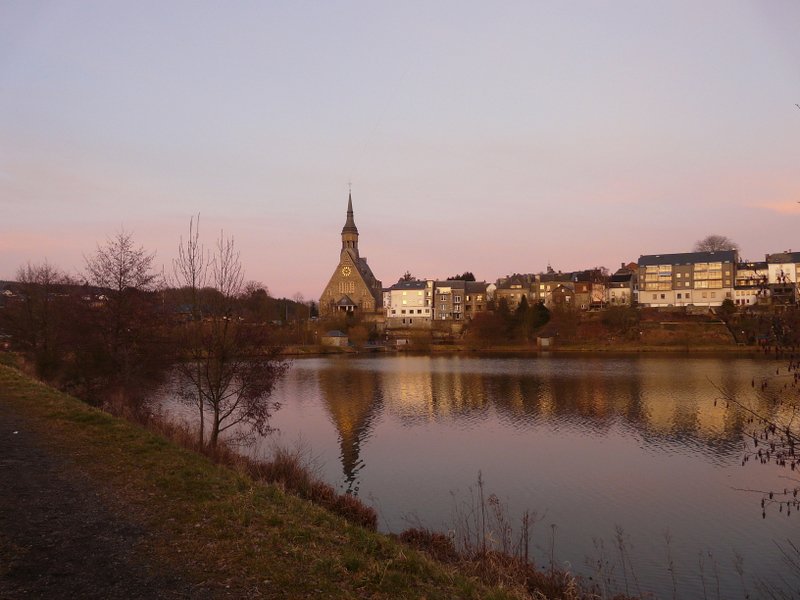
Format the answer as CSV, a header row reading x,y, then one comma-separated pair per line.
x,y
588,443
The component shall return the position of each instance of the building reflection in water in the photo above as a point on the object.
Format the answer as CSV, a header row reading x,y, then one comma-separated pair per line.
x,y
662,400
592,441
352,398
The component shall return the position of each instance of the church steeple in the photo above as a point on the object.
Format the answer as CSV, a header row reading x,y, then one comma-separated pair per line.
x,y
350,231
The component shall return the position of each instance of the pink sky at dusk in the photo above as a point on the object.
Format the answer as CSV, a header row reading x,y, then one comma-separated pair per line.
x,y
494,138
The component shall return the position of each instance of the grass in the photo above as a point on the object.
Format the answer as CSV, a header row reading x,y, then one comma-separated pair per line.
x,y
219,525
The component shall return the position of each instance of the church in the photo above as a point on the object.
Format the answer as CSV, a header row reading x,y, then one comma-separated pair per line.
x,y
352,289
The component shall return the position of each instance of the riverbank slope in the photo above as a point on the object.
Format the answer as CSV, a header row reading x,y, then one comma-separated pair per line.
x,y
96,506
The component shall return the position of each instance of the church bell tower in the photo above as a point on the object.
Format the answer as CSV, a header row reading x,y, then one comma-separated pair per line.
x,y
350,231
352,288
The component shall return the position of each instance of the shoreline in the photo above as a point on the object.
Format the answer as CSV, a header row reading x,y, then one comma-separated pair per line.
x,y
521,351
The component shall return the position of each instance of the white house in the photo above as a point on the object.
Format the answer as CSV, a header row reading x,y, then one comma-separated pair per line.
x,y
408,304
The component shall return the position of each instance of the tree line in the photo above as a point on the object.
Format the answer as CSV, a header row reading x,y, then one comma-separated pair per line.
x,y
122,329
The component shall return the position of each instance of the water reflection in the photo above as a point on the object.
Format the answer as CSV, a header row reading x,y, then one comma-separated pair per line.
x,y
590,442
666,402
352,399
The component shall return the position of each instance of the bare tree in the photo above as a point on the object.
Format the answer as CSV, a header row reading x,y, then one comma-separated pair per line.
x,y
772,415
119,265
122,271
190,272
122,319
715,243
232,366
190,269
35,319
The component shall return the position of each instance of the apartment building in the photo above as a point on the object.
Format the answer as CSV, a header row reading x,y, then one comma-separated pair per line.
x,y
686,279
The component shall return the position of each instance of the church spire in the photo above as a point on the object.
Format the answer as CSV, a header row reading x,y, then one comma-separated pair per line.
x,y
350,224
350,231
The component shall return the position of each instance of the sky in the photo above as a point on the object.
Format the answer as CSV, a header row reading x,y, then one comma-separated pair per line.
x,y
494,137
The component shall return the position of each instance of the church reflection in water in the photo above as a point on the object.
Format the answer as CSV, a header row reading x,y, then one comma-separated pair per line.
x,y
352,398
660,400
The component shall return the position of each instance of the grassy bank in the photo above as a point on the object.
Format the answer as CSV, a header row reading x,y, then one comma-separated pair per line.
x,y
215,524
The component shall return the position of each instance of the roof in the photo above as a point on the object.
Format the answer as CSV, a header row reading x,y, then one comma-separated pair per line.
x,y
755,266
335,333
515,280
783,257
414,284
474,287
345,301
555,277
687,258
589,276
456,284
621,277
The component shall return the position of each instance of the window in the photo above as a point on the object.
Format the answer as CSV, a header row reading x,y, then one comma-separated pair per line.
x,y
679,295
419,311
402,312
713,294
404,302
404,293
655,296
394,312
662,296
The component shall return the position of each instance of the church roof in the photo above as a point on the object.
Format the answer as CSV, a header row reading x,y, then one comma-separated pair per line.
x,y
350,224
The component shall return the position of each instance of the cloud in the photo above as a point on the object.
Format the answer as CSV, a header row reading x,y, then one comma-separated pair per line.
x,y
788,207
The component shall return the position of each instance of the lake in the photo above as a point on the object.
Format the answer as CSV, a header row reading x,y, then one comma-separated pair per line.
x,y
590,444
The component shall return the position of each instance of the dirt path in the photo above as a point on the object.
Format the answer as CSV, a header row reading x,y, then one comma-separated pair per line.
x,y
59,538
